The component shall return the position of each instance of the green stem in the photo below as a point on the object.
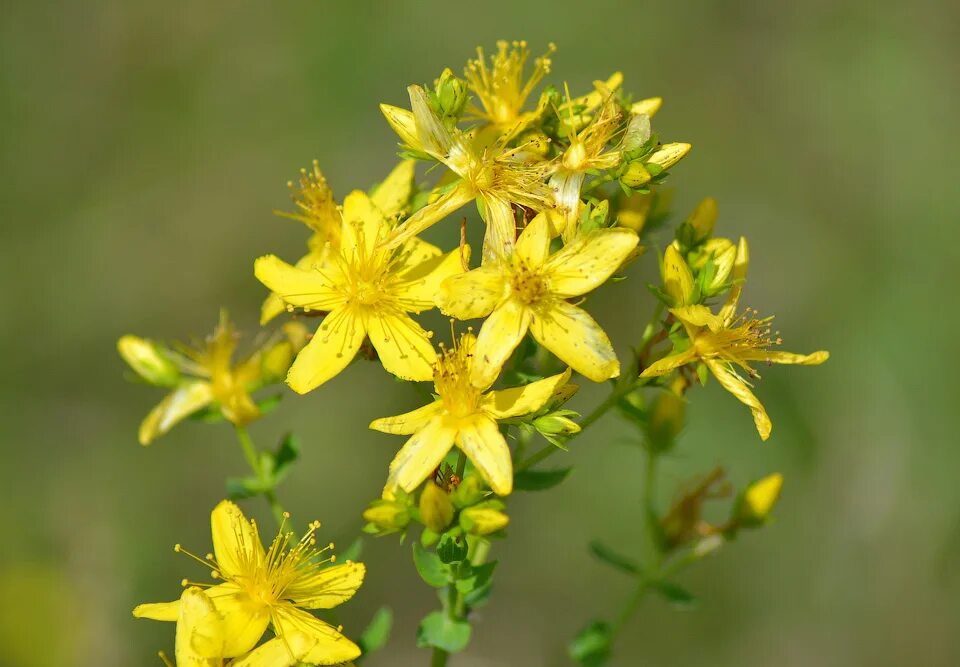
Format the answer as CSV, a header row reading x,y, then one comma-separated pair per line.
x,y
439,658
253,460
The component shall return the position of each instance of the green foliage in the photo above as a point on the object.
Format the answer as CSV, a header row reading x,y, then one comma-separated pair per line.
x,y
274,467
438,630
377,632
591,646
431,569
539,480
607,555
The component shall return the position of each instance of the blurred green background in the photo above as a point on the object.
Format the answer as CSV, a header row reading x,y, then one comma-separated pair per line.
x,y
144,145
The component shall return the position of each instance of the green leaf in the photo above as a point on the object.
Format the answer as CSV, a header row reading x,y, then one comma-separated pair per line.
x,y
591,647
269,404
452,548
611,557
431,568
539,480
676,595
475,577
377,632
288,451
438,630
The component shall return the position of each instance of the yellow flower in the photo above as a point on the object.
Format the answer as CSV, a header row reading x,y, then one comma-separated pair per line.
x,y
262,588
494,175
319,211
366,290
726,343
201,376
760,497
463,415
528,290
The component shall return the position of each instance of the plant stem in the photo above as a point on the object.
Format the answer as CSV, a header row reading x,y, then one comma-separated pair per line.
x,y
439,658
253,460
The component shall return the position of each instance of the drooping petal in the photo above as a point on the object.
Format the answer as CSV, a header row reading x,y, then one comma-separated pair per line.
x,y
403,345
575,337
200,633
403,123
236,542
430,214
775,357
328,587
587,262
326,645
392,195
467,296
737,276
421,287
566,188
363,225
431,132
677,277
736,386
332,347
523,400
158,611
245,618
177,406
420,455
304,288
409,422
533,245
481,440
668,363
498,338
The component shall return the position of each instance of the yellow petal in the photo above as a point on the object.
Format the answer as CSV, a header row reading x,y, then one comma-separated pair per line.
x,y
736,386
677,278
420,455
431,132
236,542
273,305
523,400
501,232
392,195
587,262
403,123
332,347
429,215
413,254
158,611
571,334
533,246
774,357
245,619
200,632
403,345
669,154
737,275
566,187
481,440
467,296
327,645
277,652
326,588
498,338
303,288
177,406
762,495
699,316
421,287
409,422
649,106
668,363
363,225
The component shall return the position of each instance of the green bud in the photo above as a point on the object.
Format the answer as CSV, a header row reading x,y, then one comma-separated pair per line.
x,y
484,518
387,515
469,492
704,219
637,132
668,155
436,509
635,175
756,502
558,422
451,93
148,360
666,421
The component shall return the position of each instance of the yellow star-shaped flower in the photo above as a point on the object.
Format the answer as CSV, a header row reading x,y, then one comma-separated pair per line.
x,y
463,415
528,291
727,343
366,289
261,588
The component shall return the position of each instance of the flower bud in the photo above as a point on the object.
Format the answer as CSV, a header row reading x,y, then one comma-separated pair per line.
x,y
637,132
757,501
635,175
704,219
668,155
484,518
451,93
557,423
436,509
666,421
677,277
649,106
634,211
276,362
148,360
298,335
469,492
387,515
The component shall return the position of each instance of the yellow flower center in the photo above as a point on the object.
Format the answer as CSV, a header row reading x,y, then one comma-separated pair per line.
x,y
528,285
451,378
739,341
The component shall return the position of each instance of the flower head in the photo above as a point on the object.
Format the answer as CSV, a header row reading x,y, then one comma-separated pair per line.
x,y
204,375
528,291
263,588
463,415
365,289
727,342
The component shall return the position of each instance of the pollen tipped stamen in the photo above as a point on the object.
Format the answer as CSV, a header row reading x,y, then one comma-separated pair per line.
x,y
209,561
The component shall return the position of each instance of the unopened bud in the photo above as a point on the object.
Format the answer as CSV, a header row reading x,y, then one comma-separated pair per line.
x,y
634,211
558,422
451,93
637,132
704,219
469,492
276,362
436,508
757,501
148,360
484,519
668,155
297,333
649,106
635,175
666,421
387,515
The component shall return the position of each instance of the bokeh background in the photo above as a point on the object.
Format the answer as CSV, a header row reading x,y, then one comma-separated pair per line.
x,y
144,146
